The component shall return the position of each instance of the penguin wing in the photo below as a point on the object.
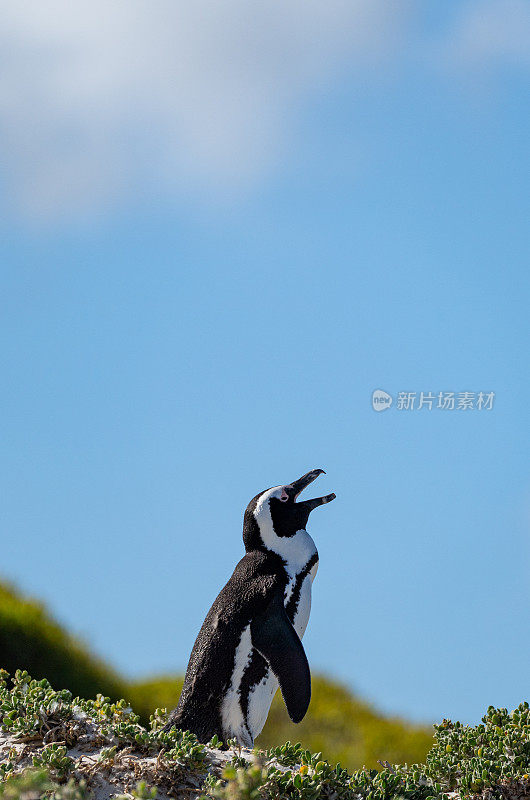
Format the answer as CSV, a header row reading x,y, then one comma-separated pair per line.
x,y
276,640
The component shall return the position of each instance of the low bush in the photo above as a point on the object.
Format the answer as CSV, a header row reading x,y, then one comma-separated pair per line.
x,y
64,748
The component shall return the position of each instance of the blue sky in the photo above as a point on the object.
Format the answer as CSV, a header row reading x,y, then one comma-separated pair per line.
x,y
223,227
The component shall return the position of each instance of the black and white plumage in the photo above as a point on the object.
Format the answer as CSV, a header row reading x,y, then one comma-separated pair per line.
x,y
250,641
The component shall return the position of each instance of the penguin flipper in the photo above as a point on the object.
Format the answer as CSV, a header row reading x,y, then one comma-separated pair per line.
x,y
275,638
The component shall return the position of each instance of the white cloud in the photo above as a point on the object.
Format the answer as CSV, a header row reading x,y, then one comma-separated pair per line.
x,y
108,100
100,100
491,33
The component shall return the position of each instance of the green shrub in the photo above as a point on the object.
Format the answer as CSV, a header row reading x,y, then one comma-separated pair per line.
x,y
347,730
30,639
490,761
161,692
337,724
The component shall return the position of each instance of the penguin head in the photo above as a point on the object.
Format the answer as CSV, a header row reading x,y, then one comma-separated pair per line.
x,y
275,515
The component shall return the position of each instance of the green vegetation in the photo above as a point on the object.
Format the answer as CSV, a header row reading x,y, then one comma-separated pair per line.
x,y
53,745
33,712
347,730
161,692
491,760
337,724
30,639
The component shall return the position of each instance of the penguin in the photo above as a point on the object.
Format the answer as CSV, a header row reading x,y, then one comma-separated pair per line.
x,y
250,642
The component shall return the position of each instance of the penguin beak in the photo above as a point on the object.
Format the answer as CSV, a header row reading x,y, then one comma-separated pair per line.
x,y
298,486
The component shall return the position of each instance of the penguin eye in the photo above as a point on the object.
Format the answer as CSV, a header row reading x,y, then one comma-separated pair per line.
x,y
284,496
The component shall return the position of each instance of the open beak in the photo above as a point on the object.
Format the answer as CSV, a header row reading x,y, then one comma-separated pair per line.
x,y
298,486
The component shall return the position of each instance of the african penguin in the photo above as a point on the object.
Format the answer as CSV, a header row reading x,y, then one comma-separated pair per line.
x,y
250,641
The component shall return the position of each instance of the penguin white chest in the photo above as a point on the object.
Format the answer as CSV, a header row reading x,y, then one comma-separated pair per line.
x,y
261,695
301,615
